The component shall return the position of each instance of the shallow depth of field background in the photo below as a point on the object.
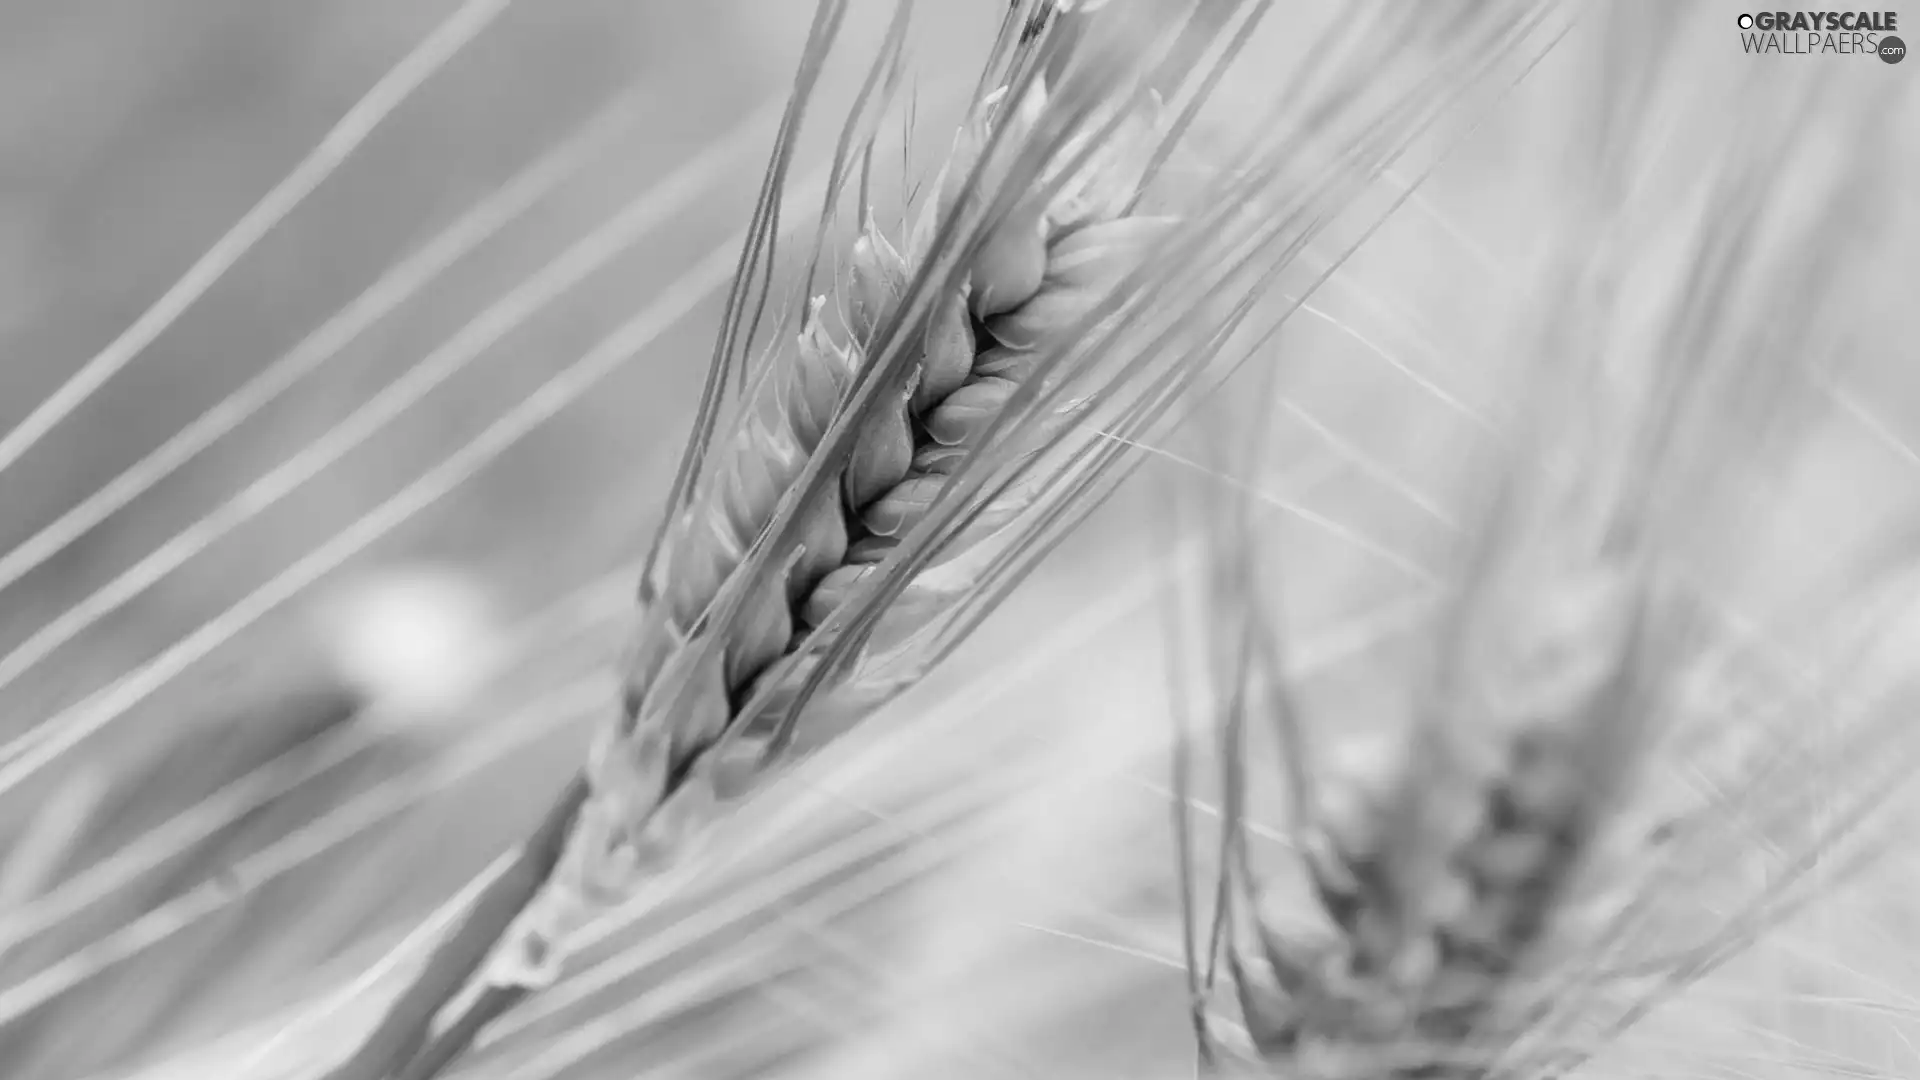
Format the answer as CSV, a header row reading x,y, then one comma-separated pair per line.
x,y
133,132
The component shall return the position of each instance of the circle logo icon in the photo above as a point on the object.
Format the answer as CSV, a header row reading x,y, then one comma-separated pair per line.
x,y
1892,50
1745,22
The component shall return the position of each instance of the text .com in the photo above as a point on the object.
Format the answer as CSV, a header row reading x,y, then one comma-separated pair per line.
x,y
1869,33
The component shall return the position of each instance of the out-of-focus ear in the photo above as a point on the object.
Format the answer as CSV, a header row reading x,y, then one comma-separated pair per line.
x,y
418,642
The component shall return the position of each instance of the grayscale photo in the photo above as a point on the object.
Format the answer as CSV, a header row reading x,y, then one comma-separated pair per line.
x,y
959,540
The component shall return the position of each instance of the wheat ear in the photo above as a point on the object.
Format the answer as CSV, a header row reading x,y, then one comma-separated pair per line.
x,y
1450,883
780,551
688,669
1443,875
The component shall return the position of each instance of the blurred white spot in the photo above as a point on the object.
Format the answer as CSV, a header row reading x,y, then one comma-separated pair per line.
x,y
420,642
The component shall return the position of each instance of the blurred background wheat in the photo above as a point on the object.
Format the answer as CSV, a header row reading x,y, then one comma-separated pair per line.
x,y
980,885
